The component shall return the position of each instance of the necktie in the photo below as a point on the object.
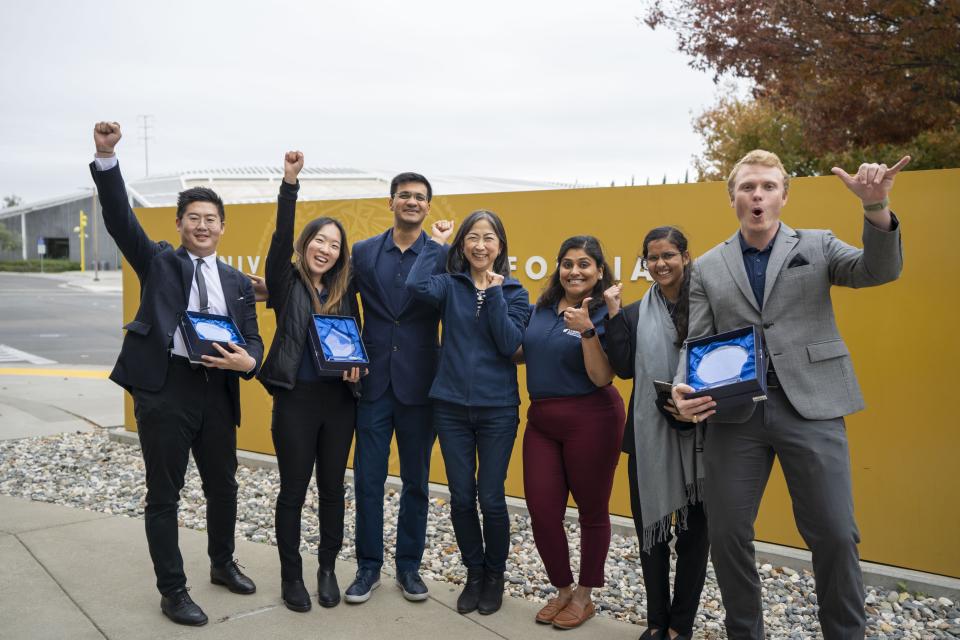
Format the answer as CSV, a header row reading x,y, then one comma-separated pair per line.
x,y
201,286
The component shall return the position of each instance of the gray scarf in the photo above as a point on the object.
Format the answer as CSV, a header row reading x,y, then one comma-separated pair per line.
x,y
669,465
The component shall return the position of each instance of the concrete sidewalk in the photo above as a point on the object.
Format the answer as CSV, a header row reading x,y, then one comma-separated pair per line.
x,y
69,573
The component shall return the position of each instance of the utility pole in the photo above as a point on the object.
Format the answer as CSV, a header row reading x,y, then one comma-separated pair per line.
x,y
145,124
96,245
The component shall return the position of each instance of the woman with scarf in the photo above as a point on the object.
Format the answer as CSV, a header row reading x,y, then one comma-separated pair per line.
x,y
314,415
665,470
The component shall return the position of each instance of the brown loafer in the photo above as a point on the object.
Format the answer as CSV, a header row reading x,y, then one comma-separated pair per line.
x,y
550,610
573,615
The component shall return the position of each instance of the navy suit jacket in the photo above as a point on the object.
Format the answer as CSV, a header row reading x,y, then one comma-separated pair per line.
x,y
403,345
165,275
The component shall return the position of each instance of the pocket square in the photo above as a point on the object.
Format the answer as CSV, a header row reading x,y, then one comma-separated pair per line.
x,y
798,261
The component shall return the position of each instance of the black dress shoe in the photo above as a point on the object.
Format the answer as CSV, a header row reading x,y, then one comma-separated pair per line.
x,y
491,594
232,578
470,597
179,607
659,634
294,595
328,591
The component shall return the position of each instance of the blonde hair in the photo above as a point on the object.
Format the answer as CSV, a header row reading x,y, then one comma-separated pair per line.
x,y
762,158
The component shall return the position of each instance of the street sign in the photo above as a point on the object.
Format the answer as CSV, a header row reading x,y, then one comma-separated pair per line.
x,y
41,247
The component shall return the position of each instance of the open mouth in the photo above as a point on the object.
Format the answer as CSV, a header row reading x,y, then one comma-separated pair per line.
x,y
757,212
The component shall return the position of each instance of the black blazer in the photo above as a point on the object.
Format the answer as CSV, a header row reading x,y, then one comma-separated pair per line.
x,y
165,276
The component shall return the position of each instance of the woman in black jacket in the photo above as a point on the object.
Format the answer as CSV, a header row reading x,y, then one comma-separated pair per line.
x,y
314,415
643,342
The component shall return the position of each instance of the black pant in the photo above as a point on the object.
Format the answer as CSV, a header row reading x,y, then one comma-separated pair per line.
x,y
314,422
692,548
191,412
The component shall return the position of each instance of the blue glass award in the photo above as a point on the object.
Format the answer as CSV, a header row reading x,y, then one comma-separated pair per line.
x,y
729,367
336,343
201,330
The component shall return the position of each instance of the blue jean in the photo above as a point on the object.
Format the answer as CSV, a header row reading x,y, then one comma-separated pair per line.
x,y
469,435
377,421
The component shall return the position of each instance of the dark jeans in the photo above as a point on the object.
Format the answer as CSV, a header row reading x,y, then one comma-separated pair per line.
x,y
313,423
692,547
816,464
572,446
377,422
469,435
191,412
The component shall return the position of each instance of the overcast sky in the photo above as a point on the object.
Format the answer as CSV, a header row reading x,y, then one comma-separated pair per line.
x,y
560,90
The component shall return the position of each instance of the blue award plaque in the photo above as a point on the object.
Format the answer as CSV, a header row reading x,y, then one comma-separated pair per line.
x,y
201,330
729,367
337,346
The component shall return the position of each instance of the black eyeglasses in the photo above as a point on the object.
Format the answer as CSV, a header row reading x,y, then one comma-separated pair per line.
x,y
647,262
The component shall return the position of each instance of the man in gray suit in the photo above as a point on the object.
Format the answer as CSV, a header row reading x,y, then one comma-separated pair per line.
x,y
779,280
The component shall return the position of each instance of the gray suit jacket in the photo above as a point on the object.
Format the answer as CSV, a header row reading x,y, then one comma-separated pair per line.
x,y
797,321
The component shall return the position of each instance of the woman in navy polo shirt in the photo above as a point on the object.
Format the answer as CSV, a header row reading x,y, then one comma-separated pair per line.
x,y
574,426
484,312
665,471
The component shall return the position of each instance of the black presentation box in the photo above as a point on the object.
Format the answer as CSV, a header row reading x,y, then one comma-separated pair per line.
x,y
729,367
336,343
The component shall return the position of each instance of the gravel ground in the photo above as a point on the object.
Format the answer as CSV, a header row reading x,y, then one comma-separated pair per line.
x,y
88,471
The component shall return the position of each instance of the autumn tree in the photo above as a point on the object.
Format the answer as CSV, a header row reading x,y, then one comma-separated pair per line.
x,y
828,77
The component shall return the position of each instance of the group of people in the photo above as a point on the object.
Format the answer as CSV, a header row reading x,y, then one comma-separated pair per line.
x,y
694,473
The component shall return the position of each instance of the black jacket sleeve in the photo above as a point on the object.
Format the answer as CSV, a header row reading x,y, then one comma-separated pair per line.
x,y
621,340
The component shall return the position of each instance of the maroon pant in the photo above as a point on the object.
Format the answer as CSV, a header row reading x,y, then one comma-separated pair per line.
x,y
571,446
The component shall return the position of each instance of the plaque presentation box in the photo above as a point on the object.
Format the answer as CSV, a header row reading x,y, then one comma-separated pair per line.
x,y
202,330
729,367
336,343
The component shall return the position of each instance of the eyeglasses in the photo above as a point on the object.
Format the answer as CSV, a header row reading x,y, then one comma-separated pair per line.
x,y
407,195
652,260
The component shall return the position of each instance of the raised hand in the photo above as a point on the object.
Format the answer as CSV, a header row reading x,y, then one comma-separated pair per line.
x,y
106,135
578,318
441,230
872,182
612,297
292,164
494,279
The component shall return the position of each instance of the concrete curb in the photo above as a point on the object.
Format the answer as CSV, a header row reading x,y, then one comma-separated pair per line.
x,y
874,575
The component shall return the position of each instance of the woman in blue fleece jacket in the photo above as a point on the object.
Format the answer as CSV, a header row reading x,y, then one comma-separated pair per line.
x,y
484,312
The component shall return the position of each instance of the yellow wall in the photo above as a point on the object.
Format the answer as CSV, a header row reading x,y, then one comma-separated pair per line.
x,y
903,446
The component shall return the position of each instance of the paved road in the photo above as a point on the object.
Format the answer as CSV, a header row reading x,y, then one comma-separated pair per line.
x,y
50,318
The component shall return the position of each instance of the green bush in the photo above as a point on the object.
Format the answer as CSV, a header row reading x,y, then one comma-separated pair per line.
x,y
49,266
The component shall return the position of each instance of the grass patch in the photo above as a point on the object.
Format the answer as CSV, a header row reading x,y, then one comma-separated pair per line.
x,y
29,266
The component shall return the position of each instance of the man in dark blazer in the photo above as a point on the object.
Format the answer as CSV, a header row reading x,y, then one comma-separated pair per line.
x,y
180,406
779,279
401,339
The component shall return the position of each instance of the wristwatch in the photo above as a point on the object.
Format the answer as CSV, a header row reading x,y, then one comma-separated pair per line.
x,y
589,333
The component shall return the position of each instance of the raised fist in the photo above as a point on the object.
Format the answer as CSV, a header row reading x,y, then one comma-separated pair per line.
x,y
441,230
106,135
612,297
494,279
292,164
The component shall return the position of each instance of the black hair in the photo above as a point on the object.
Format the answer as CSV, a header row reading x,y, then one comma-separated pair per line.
x,y
456,260
336,281
681,316
409,176
199,194
553,290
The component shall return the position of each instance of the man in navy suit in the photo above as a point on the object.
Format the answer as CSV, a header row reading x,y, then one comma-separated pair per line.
x,y
401,338
181,406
